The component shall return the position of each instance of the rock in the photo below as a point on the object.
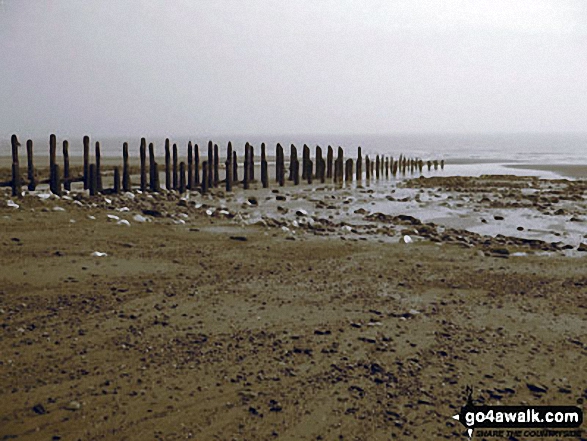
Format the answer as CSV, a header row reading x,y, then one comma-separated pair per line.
x,y
582,247
301,212
536,389
154,213
112,217
12,204
253,201
39,409
73,405
98,254
239,238
406,239
123,222
139,218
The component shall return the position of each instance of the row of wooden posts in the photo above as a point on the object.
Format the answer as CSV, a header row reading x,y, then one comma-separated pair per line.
x,y
181,176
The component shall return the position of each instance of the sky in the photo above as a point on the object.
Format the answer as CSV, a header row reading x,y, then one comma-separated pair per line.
x,y
205,67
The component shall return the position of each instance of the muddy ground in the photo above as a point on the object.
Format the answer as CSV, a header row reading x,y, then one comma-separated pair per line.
x,y
204,327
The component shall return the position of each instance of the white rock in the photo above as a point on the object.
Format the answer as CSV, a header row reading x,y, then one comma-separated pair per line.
x,y
123,209
139,218
98,254
112,217
301,212
91,217
123,222
58,209
44,195
12,204
78,203
129,195
406,239
108,201
209,212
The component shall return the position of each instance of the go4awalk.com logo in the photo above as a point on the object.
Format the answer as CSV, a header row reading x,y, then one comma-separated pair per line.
x,y
520,421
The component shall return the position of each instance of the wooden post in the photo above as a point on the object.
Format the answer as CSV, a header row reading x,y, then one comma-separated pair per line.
x,y
310,166
52,162
359,177
228,166
442,164
175,180
252,163
190,183
196,165
340,163
157,183
205,180
329,159
305,159
57,180
143,155
98,167
116,186
296,168
152,167
66,177
210,164
320,172
377,167
280,165
292,155
16,182
367,168
216,166
93,180
167,165
30,166
386,167
86,162
264,170
247,165
234,167
182,177
126,184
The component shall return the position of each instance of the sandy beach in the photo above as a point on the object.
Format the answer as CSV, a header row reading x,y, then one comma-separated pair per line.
x,y
288,313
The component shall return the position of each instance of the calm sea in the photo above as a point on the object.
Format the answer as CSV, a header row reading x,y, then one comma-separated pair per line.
x,y
530,148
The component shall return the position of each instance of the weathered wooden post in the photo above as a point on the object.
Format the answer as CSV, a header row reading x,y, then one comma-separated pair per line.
x,y
367,168
435,164
359,166
247,166
190,183
319,170
196,165
264,169
86,162
349,170
442,164
234,167
182,183
280,169
143,157
387,167
329,159
340,163
152,177
126,184
216,166
295,165
372,168
228,165
98,167
291,162
310,166
175,164
252,162
16,182
377,167
66,176
167,165
52,162
210,163
205,180
57,180
93,180
30,166
157,183
116,186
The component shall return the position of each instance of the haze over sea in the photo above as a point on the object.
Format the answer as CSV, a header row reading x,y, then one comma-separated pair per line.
x,y
549,148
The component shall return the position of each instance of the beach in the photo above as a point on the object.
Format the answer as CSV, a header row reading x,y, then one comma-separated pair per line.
x,y
294,313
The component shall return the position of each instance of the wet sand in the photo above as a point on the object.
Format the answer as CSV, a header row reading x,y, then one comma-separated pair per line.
x,y
290,314
569,170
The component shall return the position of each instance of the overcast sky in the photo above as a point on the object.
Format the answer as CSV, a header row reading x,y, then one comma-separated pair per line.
x,y
182,67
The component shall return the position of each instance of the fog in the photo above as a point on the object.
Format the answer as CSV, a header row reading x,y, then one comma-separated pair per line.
x,y
202,67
